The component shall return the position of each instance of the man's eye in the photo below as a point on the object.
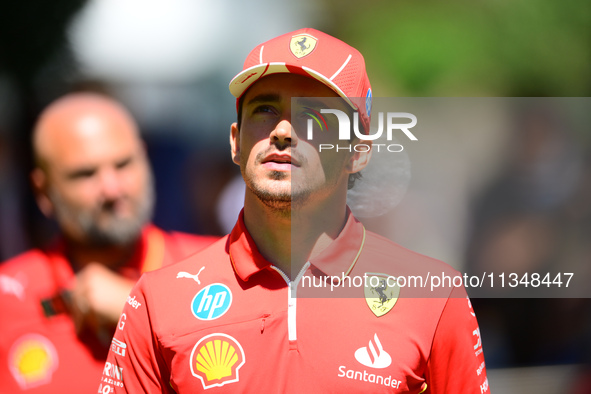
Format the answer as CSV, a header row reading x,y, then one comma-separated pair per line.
x,y
264,109
82,174
123,163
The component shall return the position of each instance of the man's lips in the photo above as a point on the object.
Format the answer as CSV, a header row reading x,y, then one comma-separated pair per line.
x,y
280,160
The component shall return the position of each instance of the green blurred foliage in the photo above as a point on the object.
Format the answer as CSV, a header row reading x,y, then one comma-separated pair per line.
x,y
468,48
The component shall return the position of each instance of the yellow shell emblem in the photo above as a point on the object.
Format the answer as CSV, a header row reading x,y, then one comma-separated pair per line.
x,y
216,359
381,293
302,45
33,359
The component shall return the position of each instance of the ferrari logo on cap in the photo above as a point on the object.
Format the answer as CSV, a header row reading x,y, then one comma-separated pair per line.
x,y
302,45
381,293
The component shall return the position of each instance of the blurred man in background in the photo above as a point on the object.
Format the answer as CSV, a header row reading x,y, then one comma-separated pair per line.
x,y
60,306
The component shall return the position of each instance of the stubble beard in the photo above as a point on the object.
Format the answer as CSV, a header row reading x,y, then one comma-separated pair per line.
x,y
112,230
280,200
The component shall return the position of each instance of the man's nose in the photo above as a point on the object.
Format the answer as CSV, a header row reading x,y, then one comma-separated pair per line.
x,y
283,133
110,184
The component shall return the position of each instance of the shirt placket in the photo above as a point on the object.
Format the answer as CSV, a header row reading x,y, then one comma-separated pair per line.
x,y
292,288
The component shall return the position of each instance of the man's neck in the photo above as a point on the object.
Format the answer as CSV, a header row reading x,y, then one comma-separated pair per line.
x,y
113,257
289,238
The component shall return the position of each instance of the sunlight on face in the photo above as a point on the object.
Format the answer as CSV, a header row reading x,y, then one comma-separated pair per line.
x,y
279,165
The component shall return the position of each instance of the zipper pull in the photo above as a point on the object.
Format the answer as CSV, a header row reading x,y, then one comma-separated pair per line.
x,y
265,316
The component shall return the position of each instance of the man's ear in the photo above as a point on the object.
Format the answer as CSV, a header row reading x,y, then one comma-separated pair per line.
x,y
235,143
360,157
40,188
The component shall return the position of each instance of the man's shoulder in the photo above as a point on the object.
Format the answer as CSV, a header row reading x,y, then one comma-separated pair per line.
x,y
170,246
188,240
213,256
394,256
414,274
26,273
30,260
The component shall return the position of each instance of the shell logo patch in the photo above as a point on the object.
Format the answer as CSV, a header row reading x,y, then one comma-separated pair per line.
x,y
216,360
381,293
302,45
32,360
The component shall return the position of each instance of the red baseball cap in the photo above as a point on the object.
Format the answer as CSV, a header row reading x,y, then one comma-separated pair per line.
x,y
314,54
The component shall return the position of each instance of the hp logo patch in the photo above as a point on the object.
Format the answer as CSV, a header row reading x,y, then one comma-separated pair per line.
x,y
211,302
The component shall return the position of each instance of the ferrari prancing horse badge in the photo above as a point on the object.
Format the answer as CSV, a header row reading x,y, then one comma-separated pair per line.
x,y
381,293
302,45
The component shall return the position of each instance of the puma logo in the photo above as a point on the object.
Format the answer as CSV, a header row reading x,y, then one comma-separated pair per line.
x,y
195,277
10,285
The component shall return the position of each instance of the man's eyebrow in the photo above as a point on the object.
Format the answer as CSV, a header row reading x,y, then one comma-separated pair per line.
x,y
328,102
316,102
80,172
264,98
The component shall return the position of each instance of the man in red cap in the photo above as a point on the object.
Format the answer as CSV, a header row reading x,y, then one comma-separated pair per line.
x,y
276,306
60,305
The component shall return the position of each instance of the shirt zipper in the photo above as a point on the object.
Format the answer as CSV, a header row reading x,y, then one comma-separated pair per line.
x,y
292,300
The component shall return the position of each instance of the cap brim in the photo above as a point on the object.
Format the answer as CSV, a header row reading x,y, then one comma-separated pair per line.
x,y
241,82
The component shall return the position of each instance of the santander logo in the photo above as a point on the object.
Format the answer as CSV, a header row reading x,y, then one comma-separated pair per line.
x,y
373,355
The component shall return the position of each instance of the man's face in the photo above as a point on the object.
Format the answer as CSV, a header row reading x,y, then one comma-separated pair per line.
x,y
279,165
99,182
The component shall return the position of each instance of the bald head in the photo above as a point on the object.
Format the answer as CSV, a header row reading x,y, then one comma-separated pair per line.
x,y
92,172
78,116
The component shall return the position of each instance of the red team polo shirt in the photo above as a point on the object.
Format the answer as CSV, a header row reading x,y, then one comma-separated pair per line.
x,y
225,320
39,349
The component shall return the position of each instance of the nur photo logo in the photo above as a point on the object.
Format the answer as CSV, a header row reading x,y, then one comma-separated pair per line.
x,y
388,124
